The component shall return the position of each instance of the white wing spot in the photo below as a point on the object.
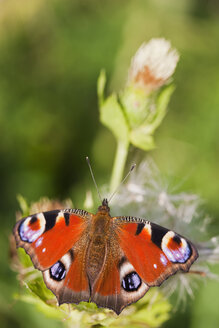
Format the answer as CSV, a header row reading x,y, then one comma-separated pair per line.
x,y
148,228
39,241
163,259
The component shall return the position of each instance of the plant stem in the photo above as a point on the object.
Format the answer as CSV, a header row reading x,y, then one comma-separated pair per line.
x,y
119,164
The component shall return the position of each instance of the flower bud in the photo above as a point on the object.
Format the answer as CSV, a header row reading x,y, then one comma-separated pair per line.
x,y
153,64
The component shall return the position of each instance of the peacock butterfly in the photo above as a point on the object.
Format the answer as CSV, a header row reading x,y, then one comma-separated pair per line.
x,y
111,261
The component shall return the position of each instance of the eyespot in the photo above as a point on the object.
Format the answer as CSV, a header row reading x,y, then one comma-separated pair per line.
x,y
131,282
57,271
32,227
176,248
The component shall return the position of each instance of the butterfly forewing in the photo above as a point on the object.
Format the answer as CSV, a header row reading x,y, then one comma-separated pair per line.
x,y
155,252
47,236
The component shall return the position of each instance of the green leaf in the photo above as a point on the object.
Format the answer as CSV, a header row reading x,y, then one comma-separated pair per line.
x,y
154,317
112,116
39,288
87,306
101,82
24,259
23,205
161,106
49,311
141,139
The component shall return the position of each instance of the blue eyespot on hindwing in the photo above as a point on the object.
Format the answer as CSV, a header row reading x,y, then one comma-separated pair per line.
x,y
131,282
57,271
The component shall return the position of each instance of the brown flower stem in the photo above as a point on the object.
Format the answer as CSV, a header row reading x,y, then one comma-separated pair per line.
x,y
201,273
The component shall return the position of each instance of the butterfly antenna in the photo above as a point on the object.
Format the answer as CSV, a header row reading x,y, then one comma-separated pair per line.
x,y
89,165
127,175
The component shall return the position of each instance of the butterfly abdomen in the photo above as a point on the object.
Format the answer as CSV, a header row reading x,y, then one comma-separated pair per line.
x,y
95,259
97,247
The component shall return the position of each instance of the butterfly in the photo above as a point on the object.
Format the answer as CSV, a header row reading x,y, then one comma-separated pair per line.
x,y
111,261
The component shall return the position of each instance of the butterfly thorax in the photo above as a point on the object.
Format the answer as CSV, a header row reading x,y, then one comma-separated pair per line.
x,y
104,208
97,248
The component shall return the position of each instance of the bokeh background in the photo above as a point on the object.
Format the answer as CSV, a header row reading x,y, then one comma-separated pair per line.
x,y
51,53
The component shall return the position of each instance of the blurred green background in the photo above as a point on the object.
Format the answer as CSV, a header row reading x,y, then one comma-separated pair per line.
x,y
51,53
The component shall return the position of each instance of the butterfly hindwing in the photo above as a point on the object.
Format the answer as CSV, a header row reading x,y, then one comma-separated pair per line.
x,y
67,278
155,252
118,284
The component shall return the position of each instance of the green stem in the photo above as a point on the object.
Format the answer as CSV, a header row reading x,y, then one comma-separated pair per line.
x,y
119,164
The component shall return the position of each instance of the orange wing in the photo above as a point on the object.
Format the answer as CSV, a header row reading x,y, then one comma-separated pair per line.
x,y
108,291
47,236
56,243
155,252
139,255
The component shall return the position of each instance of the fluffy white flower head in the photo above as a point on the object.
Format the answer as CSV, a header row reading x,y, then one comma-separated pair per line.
x,y
153,64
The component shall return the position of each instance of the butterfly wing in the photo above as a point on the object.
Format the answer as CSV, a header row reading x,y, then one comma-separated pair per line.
x,y
155,252
56,243
116,280
139,255
67,278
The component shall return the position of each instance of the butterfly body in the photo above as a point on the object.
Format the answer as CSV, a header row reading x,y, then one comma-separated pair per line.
x,y
100,232
111,261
